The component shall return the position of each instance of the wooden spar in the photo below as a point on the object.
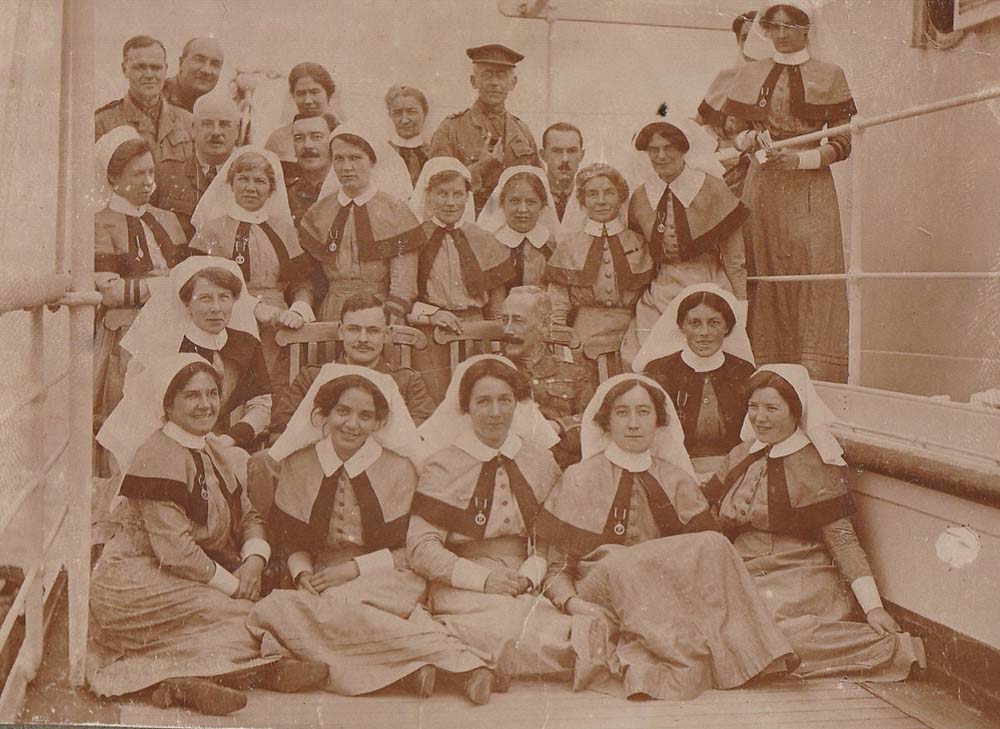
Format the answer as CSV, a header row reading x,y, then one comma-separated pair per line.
x,y
858,123
854,264
77,83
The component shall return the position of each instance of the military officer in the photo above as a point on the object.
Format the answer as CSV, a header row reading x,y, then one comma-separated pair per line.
x,y
181,183
561,389
167,129
197,74
312,155
485,137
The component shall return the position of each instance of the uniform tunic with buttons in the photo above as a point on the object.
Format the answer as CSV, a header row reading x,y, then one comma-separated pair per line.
x,y
561,390
160,593
169,130
457,537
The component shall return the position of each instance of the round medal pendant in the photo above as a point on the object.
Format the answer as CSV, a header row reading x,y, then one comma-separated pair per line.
x,y
240,260
762,103
139,254
619,529
661,228
480,518
332,247
204,494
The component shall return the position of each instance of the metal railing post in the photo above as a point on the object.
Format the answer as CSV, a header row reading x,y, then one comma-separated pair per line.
x,y
78,84
855,266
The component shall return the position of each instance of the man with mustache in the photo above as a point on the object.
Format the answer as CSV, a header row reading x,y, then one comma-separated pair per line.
x,y
485,137
181,183
364,328
312,155
311,87
197,74
166,129
562,152
561,389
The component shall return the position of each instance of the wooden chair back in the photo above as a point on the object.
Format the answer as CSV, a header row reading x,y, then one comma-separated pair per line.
x,y
605,349
319,342
484,337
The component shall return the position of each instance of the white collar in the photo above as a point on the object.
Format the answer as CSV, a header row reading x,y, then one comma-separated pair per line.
x,y
437,221
361,199
178,434
795,442
329,461
631,462
205,165
595,229
123,206
702,364
537,236
246,216
411,143
202,338
469,443
791,59
685,187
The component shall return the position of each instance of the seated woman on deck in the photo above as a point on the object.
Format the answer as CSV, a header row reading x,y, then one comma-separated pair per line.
x,y
244,216
519,213
171,591
596,276
360,230
631,540
133,241
339,518
204,308
699,353
471,530
784,499
462,271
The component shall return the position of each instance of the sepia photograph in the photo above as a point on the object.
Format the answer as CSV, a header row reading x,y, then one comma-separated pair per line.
x,y
550,364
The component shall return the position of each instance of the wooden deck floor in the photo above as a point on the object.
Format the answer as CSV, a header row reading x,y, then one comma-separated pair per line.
x,y
781,704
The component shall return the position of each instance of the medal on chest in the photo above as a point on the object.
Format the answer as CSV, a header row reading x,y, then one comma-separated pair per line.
x,y
619,517
204,486
480,506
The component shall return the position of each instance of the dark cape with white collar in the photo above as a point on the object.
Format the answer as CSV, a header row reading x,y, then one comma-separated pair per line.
x,y
578,514
819,91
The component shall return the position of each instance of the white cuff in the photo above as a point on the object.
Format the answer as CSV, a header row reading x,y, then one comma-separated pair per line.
x,y
867,593
811,159
534,568
373,562
467,575
256,545
299,562
304,310
421,309
224,581
744,140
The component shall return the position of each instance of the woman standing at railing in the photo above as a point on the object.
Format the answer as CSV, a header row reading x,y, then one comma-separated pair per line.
x,y
794,228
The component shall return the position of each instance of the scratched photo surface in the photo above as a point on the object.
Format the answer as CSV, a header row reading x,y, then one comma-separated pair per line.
x,y
436,556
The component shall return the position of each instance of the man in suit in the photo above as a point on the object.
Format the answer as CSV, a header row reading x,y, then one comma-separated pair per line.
x,y
181,183
167,129
486,138
197,74
562,151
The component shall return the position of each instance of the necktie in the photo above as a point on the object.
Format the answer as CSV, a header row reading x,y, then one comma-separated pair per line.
x,y
210,175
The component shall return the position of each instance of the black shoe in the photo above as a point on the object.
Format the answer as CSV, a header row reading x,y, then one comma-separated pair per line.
x,y
421,682
289,675
199,694
501,683
479,685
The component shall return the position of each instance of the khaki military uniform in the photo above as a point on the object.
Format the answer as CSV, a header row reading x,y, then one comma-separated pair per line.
x,y
302,194
172,93
466,135
179,186
170,136
562,391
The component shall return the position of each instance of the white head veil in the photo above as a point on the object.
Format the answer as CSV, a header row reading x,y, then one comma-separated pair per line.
x,y
419,201
666,337
104,149
160,327
759,44
140,413
219,199
398,433
816,416
668,442
448,422
389,173
492,218
701,155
